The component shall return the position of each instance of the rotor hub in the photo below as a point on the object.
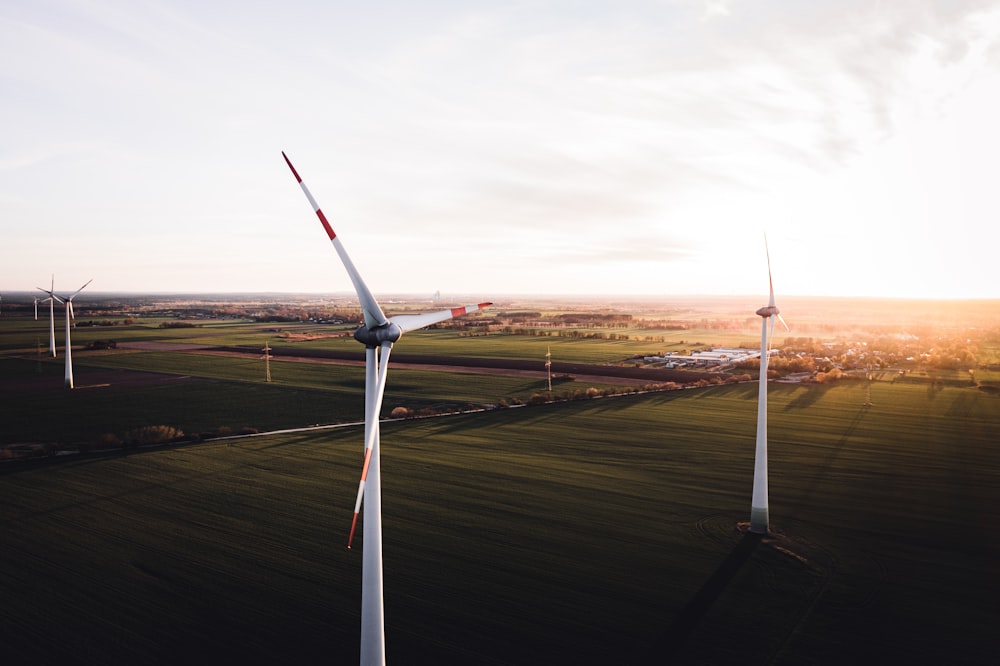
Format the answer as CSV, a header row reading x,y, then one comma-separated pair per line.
x,y
374,337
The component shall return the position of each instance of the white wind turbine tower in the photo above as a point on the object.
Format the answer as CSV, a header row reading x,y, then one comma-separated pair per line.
x,y
377,334
68,300
758,505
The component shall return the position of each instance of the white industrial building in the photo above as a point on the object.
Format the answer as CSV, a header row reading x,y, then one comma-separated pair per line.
x,y
717,357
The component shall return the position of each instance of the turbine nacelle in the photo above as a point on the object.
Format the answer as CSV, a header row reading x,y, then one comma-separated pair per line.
x,y
768,311
375,337
52,297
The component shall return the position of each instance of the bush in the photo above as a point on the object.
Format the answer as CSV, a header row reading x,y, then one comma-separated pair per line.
x,y
399,413
108,440
157,434
538,399
833,375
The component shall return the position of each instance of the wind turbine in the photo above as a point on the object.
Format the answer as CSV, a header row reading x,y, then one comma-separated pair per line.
x,y
68,300
758,505
52,314
377,334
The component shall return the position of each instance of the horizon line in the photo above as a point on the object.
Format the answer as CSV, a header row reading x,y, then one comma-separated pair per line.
x,y
93,294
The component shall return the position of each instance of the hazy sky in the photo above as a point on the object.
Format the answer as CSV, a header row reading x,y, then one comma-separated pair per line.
x,y
490,148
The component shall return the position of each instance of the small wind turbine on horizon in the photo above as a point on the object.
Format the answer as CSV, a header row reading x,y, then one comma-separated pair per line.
x,y
377,334
68,300
758,505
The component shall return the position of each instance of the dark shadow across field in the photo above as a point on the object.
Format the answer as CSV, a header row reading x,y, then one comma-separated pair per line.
x,y
806,397
690,616
823,467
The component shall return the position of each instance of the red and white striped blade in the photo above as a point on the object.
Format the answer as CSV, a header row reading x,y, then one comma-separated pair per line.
x,y
374,316
414,322
373,433
361,494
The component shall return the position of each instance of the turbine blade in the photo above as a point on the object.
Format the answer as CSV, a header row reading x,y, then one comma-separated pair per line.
x,y
69,310
770,336
374,317
414,322
770,282
782,320
73,295
361,494
373,434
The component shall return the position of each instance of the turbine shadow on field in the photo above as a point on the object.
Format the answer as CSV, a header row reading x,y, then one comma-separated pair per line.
x,y
823,468
688,618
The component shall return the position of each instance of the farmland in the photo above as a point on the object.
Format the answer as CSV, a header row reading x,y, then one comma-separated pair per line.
x,y
588,532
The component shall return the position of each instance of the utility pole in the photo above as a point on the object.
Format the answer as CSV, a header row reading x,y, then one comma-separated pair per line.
x,y
548,365
267,362
868,385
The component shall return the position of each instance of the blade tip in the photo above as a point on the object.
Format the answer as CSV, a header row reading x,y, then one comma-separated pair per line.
x,y
289,163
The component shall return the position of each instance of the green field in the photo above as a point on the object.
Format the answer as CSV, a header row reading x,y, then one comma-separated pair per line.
x,y
203,393
567,533
27,334
592,532
214,393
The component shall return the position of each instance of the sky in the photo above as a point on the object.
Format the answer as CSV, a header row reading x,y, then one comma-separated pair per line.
x,y
492,148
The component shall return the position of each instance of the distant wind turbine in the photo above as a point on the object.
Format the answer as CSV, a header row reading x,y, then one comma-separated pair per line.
x,y
52,314
68,300
377,334
758,505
